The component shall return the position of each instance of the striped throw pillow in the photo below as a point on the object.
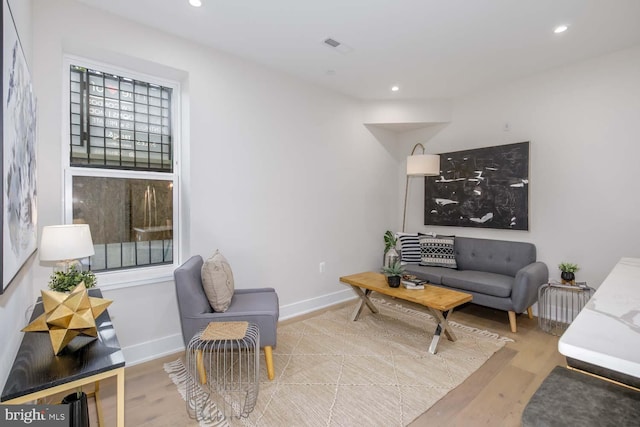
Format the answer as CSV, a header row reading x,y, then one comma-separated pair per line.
x,y
409,247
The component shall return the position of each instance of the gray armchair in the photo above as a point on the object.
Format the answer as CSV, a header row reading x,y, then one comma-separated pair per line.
x,y
259,306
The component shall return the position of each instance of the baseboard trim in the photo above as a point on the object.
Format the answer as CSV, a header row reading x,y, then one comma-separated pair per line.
x,y
154,349
171,344
313,304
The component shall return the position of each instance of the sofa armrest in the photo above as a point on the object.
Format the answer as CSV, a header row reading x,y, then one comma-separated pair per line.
x,y
527,282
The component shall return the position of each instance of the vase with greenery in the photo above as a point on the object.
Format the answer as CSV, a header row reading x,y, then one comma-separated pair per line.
x,y
390,253
568,272
66,281
393,273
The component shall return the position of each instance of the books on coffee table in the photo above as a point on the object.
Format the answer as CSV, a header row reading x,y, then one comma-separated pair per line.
x,y
408,285
413,283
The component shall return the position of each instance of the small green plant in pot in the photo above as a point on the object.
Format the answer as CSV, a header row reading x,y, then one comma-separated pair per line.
x,y
66,281
394,273
568,272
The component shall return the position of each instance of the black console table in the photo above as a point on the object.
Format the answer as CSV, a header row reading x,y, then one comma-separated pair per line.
x,y
37,372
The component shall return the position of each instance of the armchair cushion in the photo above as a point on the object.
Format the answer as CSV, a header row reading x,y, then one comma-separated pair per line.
x,y
217,281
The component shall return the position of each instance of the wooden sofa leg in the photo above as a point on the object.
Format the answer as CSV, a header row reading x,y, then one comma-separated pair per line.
x,y
268,357
512,321
530,312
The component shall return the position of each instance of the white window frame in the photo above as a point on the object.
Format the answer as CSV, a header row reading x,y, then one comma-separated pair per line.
x,y
139,275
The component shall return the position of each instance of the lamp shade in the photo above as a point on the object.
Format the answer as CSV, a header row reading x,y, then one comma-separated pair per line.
x,y
423,165
66,242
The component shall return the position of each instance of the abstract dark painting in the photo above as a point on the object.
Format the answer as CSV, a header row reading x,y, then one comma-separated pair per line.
x,y
19,226
484,188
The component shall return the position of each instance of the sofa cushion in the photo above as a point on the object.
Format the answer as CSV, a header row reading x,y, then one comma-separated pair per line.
x,y
494,256
437,251
409,248
217,281
482,282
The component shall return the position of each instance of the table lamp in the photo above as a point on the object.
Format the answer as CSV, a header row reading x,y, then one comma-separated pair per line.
x,y
66,244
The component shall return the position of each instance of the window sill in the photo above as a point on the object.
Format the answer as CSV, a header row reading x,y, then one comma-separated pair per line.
x,y
111,280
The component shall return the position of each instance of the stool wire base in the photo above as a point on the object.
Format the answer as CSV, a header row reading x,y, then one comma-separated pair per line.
x,y
223,376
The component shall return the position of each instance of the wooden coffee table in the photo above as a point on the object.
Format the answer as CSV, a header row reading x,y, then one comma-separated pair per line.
x,y
439,301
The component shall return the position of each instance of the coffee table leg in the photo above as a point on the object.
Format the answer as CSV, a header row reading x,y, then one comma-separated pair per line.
x,y
442,326
364,299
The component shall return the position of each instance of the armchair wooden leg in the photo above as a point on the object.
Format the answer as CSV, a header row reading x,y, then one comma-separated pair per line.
x,y
268,357
530,312
512,321
200,367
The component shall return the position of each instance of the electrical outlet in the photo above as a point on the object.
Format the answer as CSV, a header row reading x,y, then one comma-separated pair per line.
x,y
322,267
506,127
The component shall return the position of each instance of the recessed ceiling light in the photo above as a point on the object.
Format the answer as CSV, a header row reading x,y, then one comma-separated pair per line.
x,y
195,3
395,88
560,29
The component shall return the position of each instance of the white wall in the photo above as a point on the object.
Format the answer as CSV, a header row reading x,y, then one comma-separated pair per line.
x,y
280,175
420,111
17,299
583,124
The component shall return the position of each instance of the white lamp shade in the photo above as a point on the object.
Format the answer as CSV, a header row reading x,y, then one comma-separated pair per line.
x,y
66,242
423,165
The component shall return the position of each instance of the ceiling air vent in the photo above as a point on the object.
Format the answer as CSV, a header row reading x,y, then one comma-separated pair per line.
x,y
337,46
331,42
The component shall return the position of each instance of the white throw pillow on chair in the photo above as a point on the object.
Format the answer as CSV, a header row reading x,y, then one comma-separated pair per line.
x,y
217,281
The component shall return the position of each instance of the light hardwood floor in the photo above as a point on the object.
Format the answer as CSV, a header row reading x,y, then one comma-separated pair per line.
x,y
495,395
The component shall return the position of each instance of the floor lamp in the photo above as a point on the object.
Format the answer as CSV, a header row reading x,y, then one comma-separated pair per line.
x,y
419,165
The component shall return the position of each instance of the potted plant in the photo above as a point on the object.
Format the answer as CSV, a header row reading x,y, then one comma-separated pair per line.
x,y
66,281
393,273
390,253
568,272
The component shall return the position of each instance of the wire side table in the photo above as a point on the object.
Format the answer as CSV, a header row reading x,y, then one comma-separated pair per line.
x,y
559,304
223,366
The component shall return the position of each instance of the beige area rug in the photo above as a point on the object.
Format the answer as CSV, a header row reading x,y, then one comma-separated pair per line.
x,y
331,371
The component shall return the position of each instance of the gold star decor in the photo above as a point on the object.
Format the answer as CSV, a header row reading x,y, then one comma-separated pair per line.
x,y
68,315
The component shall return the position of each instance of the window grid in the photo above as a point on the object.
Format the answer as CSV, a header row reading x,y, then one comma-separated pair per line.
x,y
123,123
167,255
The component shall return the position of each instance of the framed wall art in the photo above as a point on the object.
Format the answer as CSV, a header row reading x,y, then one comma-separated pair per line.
x,y
19,198
484,188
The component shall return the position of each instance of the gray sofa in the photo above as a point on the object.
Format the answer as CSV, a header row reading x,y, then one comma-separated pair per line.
x,y
498,273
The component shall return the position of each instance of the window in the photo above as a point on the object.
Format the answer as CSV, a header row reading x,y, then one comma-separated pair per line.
x,y
121,173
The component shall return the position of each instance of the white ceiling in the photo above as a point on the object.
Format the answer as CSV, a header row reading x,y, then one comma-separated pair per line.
x,y
430,48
